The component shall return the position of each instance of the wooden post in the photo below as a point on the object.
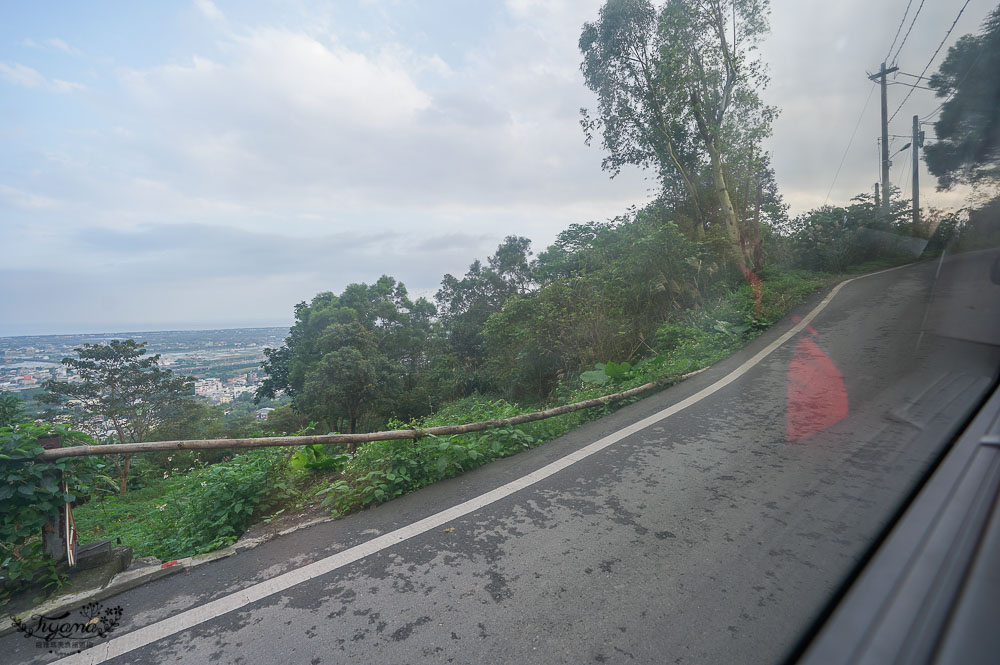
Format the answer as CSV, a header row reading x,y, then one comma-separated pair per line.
x,y
881,77
58,534
914,148
391,435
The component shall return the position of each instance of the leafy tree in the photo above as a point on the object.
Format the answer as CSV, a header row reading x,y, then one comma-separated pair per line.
x,y
355,357
677,90
605,287
285,421
637,124
348,382
11,409
193,419
968,130
118,388
830,238
465,304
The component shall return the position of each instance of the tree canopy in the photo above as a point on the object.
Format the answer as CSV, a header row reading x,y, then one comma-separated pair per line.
x,y
353,357
967,150
465,304
119,387
679,90
11,409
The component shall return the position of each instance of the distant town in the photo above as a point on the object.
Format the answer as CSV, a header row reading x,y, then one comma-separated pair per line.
x,y
224,363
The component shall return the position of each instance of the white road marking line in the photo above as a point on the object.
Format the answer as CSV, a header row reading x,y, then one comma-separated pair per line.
x,y
189,618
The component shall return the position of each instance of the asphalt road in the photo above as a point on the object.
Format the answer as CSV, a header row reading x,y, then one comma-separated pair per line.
x,y
706,537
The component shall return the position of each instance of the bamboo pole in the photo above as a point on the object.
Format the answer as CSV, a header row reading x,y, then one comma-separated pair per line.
x,y
271,441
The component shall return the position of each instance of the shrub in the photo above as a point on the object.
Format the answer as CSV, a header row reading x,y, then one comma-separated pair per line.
x,y
212,507
29,494
384,470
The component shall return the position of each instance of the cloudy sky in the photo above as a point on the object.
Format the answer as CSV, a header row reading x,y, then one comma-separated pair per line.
x,y
170,165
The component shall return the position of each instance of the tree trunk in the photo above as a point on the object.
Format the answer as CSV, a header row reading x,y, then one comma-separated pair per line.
x,y
123,469
124,473
352,447
728,211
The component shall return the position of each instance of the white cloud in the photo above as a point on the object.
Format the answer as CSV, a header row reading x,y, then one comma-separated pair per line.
x,y
25,200
64,47
58,85
28,77
22,75
297,126
209,10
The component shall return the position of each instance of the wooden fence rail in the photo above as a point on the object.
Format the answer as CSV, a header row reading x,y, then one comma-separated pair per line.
x,y
262,442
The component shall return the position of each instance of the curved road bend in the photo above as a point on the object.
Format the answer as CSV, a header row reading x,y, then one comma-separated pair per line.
x,y
705,537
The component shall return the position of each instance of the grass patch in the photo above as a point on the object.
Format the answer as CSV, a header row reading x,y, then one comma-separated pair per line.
x,y
131,517
194,513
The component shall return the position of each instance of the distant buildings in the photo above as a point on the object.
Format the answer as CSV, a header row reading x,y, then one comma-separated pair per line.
x,y
26,375
27,362
217,391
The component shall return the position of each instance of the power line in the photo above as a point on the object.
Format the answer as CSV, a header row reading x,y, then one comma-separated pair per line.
x,y
912,85
901,22
902,172
954,91
908,31
935,111
849,142
936,51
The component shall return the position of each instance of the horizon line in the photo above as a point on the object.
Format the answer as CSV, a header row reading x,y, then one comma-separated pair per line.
x,y
141,330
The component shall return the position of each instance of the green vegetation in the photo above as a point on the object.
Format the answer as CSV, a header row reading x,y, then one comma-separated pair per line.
x,y
968,129
119,387
196,511
30,493
11,409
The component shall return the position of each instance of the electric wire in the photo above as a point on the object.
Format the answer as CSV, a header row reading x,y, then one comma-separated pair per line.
x,y
849,143
901,22
955,89
907,31
936,51
911,85
902,174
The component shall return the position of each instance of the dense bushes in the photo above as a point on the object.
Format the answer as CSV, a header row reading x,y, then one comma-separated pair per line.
x,y
833,238
212,507
198,511
30,493
384,470
604,289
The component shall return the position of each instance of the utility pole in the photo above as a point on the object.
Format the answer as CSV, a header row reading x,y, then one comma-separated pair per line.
x,y
914,148
878,202
881,77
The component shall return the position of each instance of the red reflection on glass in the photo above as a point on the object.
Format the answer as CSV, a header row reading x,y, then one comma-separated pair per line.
x,y
756,287
817,398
